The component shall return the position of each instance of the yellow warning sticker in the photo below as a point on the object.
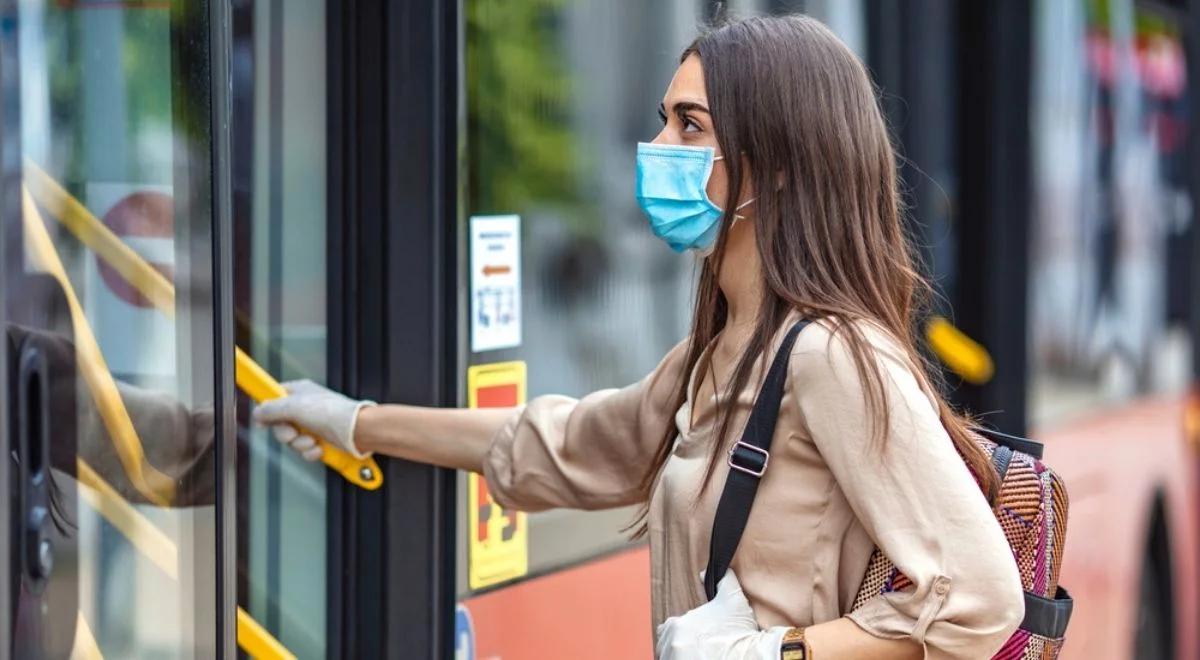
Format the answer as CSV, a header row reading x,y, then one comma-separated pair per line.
x,y
498,539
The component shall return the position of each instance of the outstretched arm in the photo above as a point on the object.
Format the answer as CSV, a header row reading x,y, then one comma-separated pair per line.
x,y
448,437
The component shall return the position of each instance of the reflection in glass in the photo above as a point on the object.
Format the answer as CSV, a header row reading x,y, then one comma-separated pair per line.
x,y
116,149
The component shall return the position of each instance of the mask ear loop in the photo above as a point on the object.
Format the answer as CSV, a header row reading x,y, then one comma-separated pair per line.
x,y
736,215
739,207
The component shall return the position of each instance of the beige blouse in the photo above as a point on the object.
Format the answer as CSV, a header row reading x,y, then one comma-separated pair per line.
x,y
830,494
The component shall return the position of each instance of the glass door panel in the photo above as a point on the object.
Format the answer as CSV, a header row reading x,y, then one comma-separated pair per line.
x,y
279,181
110,329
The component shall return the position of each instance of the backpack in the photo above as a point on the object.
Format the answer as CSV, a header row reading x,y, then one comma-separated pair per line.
x,y
1030,503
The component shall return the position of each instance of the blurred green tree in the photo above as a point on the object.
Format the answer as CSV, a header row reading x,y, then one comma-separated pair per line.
x,y
519,90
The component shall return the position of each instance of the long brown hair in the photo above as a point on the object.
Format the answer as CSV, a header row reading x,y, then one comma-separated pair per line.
x,y
799,106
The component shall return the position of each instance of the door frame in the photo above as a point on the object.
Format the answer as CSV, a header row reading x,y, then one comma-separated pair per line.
x,y
394,214
225,417
1192,46
10,212
989,146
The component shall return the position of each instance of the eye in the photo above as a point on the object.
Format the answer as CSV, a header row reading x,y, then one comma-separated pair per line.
x,y
662,115
691,125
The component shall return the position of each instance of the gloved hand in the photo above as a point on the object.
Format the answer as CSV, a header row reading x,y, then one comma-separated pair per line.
x,y
722,629
311,409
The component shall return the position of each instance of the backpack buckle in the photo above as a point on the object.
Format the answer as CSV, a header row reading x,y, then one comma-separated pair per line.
x,y
753,461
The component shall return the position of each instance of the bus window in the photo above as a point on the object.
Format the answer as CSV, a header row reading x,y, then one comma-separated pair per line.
x,y
551,129
278,69
1111,219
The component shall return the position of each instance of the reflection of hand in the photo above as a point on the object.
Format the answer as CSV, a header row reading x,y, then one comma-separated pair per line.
x,y
722,629
310,409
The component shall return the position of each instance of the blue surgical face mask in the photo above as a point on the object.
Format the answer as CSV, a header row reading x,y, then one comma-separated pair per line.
x,y
671,182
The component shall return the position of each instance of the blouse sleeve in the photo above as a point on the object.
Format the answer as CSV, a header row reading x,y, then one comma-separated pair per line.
x,y
916,499
590,453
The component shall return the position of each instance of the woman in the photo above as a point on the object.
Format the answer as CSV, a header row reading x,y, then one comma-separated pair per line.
x,y
776,119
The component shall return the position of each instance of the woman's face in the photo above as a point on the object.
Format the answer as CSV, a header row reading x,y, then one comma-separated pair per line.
x,y
686,121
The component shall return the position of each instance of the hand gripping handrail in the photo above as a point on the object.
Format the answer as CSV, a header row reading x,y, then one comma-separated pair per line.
x,y
251,378
260,386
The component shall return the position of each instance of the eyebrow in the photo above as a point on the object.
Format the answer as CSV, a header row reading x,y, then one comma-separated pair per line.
x,y
682,108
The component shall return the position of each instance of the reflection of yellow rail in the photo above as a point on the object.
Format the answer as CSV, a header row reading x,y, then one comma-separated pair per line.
x,y
154,485
143,534
251,378
85,647
156,546
92,233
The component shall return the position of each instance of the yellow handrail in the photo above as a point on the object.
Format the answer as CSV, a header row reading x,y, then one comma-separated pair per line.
x,y
257,642
963,355
260,386
154,485
251,378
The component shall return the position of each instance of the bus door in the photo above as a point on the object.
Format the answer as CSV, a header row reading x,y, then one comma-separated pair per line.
x,y
118,349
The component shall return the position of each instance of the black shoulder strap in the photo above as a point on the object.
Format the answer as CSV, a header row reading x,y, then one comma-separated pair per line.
x,y
747,462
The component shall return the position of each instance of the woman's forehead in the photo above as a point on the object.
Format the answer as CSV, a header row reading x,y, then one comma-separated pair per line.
x,y
687,84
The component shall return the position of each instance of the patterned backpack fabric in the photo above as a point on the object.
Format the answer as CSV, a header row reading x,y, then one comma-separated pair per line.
x,y
1031,506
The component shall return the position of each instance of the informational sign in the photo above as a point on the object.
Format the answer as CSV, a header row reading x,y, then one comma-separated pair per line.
x,y
498,539
495,282
464,634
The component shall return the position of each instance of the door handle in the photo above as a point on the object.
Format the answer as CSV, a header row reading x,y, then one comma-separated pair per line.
x,y
33,448
42,523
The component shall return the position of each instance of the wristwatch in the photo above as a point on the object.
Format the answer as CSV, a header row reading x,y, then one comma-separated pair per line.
x,y
794,647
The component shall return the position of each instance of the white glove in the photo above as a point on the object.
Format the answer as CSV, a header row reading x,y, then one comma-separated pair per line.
x,y
310,409
724,628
